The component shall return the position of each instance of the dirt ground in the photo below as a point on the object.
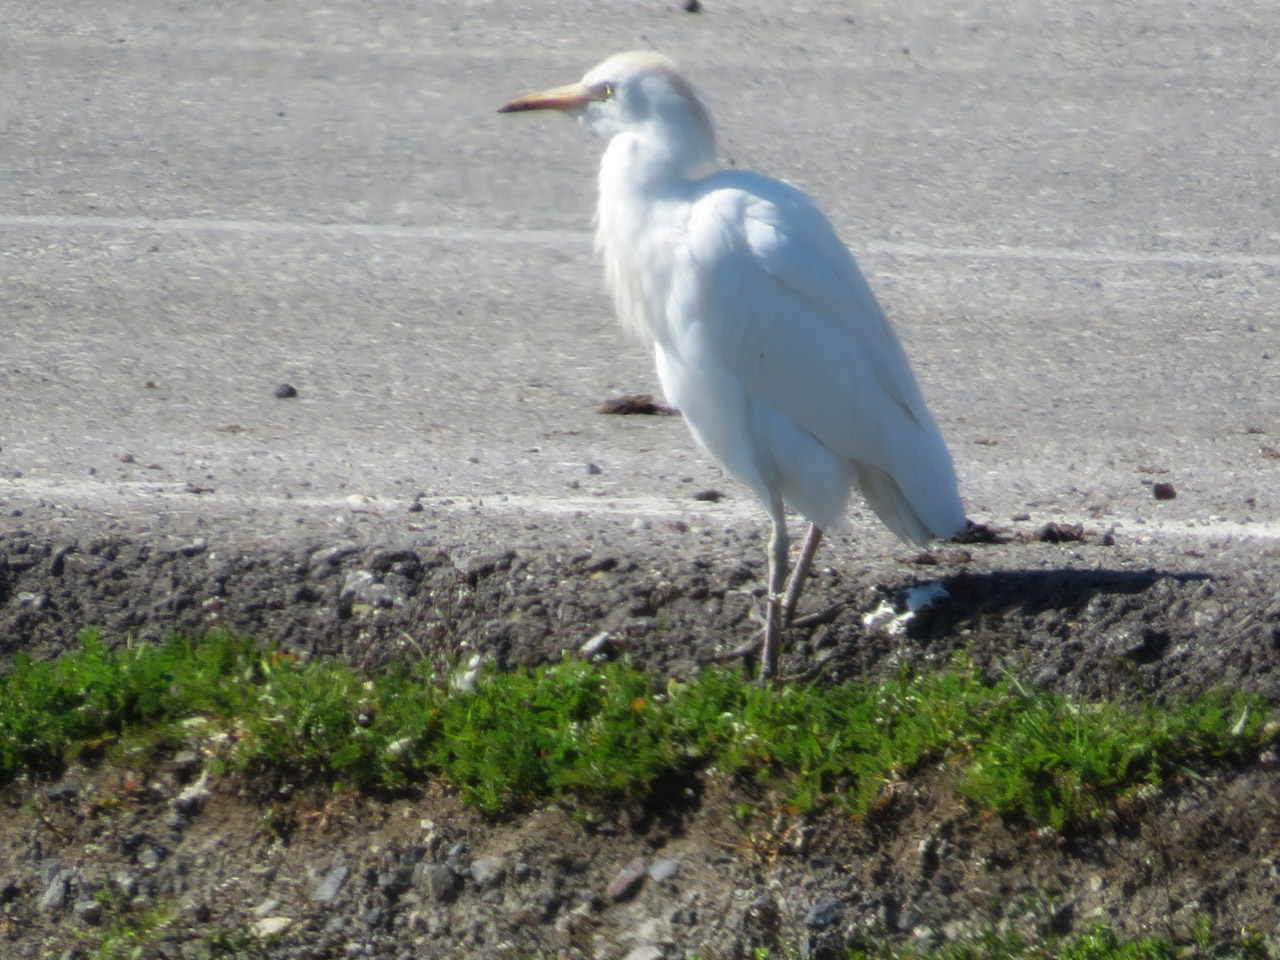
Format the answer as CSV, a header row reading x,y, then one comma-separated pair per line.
x,y
280,870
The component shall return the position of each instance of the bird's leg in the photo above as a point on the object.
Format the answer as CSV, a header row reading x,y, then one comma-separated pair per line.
x,y
796,584
773,608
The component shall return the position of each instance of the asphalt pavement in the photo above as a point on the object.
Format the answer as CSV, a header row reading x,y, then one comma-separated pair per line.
x,y
1068,209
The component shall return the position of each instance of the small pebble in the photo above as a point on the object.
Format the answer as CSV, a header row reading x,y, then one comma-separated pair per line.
x,y
35,599
151,856
442,883
392,883
487,871
662,870
327,890
285,391
827,912
64,790
198,910
126,883
628,881
191,799
90,911
55,894
271,926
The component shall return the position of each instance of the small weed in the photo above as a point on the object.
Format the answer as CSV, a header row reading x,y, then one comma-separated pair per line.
x,y
236,944
135,934
129,936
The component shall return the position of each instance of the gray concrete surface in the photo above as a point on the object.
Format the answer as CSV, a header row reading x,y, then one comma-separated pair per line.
x,y
1068,208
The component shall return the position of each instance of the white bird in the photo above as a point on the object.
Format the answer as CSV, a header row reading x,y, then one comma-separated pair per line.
x,y
765,334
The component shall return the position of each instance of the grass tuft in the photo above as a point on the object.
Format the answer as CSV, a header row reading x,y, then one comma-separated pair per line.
x,y
599,732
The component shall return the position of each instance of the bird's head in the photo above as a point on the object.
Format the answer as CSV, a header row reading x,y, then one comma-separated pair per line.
x,y
639,93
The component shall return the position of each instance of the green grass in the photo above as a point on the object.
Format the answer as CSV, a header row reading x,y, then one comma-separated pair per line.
x,y
126,934
600,732
136,933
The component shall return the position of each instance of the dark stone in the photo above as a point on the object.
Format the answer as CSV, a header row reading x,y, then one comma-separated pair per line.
x,y
827,912
441,882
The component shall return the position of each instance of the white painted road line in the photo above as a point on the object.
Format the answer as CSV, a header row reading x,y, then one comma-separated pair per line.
x,y
101,496
574,238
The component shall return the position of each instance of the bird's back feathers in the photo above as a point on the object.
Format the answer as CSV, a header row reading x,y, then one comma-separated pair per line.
x,y
762,276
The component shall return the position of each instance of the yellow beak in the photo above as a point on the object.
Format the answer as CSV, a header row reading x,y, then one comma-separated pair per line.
x,y
569,97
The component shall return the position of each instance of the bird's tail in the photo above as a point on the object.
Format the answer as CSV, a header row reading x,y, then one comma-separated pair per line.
x,y
891,505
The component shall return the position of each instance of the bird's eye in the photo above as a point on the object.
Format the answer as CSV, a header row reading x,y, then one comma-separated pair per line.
x,y
606,91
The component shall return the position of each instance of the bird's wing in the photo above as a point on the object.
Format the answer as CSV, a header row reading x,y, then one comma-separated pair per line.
x,y
761,274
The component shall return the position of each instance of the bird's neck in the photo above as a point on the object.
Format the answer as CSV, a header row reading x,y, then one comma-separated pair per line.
x,y
655,157
644,194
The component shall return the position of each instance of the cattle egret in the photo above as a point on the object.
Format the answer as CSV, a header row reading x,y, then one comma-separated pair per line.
x,y
764,332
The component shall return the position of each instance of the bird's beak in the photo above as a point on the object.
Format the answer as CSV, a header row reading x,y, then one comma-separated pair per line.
x,y
569,97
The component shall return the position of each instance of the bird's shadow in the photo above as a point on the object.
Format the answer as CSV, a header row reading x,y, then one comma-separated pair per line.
x,y
974,596
1048,614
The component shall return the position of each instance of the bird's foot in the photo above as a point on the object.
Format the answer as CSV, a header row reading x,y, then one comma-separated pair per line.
x,y
751,649
817,618
747,651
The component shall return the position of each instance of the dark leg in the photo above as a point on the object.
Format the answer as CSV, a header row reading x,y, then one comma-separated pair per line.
x,y
798,575
774,606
